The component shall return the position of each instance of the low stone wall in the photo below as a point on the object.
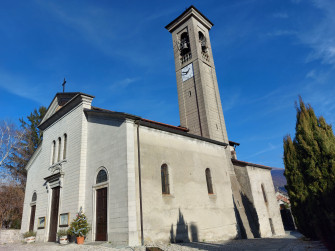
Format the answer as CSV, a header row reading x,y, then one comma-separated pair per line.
x,y
10,236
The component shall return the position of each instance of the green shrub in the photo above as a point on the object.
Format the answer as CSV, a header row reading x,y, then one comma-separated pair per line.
x,y
62,232
29,234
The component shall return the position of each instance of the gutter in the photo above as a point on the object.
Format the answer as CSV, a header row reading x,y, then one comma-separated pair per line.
x,y
138,122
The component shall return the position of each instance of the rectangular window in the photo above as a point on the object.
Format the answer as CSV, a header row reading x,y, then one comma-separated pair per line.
x,y
64,149
209,181
59,149
53,152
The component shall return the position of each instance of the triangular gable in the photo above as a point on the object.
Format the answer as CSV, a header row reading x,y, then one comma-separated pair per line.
x,y
58,102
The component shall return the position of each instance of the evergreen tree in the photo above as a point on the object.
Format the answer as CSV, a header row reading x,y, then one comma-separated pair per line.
x,y
310,172
79,225
28,144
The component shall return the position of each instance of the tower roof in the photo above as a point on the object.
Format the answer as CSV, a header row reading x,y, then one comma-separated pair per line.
x,y
190,11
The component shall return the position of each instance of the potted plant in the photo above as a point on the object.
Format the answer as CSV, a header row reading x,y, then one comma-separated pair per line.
x,y
29,236
79,227
62,236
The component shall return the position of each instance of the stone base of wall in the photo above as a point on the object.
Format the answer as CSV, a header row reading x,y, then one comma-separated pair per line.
x,y
10,236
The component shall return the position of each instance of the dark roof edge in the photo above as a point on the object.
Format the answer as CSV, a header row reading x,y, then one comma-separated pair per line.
x,y
180,132
154,125
62,111
110,113
233,143
80,93
191,7
243,163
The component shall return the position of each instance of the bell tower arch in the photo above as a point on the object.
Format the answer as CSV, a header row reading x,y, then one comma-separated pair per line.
x,y
199,100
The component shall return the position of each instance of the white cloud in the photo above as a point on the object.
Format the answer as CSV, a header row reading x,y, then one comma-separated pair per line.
x,y
281,33
296,1
280,15
311,74
270,148
20,87
321,37
124,83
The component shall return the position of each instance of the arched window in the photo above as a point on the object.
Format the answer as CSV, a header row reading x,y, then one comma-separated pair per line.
x,y
53,152
264,194
34,198
209,181
165,179
59,148
102,176
65,143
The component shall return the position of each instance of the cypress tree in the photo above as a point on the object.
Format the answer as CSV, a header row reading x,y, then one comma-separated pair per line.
x,y
310,172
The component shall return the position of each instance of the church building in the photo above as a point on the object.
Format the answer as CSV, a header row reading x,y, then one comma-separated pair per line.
x,y
140,181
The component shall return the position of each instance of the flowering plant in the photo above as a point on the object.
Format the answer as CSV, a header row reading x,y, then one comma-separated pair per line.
x,y
79,225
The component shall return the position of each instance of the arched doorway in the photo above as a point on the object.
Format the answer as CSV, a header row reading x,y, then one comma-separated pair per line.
x,y
101,207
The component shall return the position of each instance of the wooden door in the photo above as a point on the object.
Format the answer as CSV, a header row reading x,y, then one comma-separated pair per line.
x,y
101,216
32,218
54,214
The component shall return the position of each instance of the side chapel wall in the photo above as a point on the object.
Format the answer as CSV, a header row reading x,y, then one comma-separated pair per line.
x,y
188,213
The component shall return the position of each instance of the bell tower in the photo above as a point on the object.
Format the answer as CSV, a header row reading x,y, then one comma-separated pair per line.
x,y
199,100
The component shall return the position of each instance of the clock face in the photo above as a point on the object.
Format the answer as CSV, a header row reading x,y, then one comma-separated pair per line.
x,y
187,72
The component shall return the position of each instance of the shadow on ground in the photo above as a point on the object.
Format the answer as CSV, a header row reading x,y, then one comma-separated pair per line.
x,y
292,241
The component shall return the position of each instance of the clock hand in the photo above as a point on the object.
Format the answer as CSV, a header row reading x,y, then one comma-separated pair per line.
x,y
184,73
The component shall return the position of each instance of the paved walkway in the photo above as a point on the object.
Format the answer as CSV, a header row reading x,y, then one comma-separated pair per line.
x,y
292,241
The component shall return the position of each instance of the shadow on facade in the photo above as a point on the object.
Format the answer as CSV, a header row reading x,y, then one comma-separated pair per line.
x,y
240,227
182,229
252,216
287,219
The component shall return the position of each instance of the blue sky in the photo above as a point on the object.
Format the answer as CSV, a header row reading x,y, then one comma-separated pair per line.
x,y
266,53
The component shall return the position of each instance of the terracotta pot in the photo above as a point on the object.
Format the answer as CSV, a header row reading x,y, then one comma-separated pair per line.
x,y
80,240
30,239
63,240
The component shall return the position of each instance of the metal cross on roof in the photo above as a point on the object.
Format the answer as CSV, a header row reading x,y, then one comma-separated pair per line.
x,y
64,82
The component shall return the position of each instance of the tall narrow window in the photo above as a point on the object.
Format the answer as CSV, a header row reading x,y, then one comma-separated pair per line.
x,y
65,143
209,181
59,148
264,194
53,152
165,179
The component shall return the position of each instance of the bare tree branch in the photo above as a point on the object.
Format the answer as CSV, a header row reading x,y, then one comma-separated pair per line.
x,y
10,136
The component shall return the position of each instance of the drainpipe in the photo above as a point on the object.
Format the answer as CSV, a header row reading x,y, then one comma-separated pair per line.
x,y
139,177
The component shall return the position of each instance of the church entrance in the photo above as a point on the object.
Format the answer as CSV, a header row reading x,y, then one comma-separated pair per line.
x,y
32,218
54,214
101,215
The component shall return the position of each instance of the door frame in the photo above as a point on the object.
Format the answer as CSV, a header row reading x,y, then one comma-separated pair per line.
x,y
31,209
94,211
52,181
59,199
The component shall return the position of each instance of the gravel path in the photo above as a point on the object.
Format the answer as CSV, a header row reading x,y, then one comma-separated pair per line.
x,y
292,242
